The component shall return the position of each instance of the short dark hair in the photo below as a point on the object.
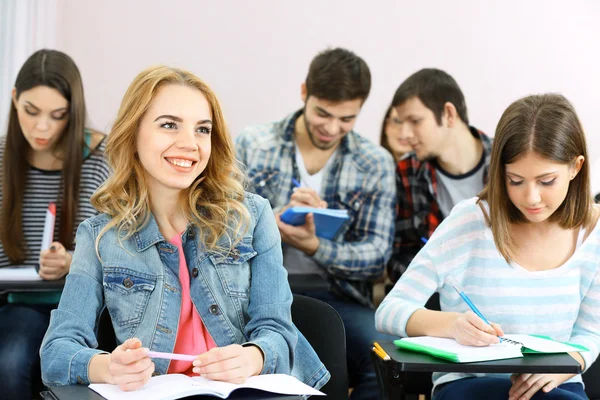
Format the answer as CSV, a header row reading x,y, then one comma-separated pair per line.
x,y
434,88
338,75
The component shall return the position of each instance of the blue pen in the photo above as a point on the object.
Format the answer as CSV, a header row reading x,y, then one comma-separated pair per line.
x,y
462,294
424,240
296,183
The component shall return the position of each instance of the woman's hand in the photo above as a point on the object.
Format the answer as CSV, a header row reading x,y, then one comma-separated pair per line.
x,y
524,386
54,262
129,365
470,330
233,363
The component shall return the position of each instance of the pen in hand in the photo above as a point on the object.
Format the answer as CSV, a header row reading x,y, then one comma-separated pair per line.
x,y
296,183
462,294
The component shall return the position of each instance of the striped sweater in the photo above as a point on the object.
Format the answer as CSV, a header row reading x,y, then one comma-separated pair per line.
x,y
43,187
563,303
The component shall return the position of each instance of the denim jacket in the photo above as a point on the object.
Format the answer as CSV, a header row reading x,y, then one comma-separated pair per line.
x,y
242,298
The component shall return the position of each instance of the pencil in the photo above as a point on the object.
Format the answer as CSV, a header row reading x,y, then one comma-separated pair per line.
x,y
381,352
381,355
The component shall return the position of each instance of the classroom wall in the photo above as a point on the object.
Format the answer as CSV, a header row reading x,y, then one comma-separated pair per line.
x,y
255,54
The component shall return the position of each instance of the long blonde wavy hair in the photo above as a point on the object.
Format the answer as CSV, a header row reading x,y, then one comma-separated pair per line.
x,y
215,198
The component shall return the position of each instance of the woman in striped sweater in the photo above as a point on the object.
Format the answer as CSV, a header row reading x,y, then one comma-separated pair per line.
x,y
46,156
526,252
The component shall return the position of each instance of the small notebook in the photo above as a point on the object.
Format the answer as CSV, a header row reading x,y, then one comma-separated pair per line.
x,y
327,221
177,386
512,346
19,274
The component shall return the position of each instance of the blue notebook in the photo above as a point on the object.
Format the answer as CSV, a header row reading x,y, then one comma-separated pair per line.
x,y
327,221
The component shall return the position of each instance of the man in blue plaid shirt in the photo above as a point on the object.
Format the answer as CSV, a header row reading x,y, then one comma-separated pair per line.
x,y
338,169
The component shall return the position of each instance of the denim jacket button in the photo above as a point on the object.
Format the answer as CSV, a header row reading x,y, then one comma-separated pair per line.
x,y
214,309
127,282
195,272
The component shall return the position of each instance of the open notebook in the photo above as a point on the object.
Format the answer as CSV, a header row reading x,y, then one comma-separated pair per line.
x,y
512,346
177,386
327,221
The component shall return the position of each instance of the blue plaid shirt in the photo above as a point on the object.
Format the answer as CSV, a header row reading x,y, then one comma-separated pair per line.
x,y
361,179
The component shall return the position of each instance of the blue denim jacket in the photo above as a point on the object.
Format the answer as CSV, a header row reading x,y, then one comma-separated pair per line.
x,y
241,298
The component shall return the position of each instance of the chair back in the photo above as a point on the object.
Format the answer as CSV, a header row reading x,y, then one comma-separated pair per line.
x,y
322,326
591,380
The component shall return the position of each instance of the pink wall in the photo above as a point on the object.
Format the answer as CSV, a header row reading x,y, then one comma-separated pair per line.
x,y
255,54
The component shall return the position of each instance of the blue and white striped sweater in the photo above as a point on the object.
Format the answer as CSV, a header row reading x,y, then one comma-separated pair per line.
x,y
563,303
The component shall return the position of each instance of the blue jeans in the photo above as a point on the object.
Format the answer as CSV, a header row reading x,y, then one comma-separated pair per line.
x,y
359,323
497,389
22,328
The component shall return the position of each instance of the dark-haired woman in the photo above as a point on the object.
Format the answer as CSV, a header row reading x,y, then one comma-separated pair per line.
x,y
47,155
526,251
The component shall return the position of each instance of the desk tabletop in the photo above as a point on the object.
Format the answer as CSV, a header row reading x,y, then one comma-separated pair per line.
x,y
31,286
81,392
409,361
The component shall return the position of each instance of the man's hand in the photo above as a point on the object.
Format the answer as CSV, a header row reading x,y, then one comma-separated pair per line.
x,y
305,197
302,237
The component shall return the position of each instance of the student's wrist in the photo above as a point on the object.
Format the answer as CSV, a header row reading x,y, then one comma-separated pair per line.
x,y
311,246
98,369
257,358
451,328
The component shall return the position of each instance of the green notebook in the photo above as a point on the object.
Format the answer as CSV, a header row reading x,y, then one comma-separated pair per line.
x,y
512,346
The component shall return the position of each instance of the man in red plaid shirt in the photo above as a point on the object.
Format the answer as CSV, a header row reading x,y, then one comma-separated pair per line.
x,y
449,162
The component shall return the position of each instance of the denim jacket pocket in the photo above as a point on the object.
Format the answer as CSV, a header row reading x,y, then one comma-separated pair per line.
x,y
234,269
127,293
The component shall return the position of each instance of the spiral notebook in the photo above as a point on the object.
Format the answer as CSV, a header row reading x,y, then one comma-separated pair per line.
x,y
512,346
327,221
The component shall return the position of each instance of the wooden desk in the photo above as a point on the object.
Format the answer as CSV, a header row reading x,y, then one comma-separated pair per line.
x,y
409,372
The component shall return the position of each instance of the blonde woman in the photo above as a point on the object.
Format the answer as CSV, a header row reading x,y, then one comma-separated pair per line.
x,y
184,260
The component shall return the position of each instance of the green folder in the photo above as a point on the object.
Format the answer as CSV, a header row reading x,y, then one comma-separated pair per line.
x,y
512,346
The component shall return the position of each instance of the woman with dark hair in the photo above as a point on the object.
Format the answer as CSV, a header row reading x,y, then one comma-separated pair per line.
x,y
47,156
391,135
526,251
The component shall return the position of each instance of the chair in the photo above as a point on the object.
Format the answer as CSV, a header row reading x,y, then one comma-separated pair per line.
x,y
591,379
107,340
322,326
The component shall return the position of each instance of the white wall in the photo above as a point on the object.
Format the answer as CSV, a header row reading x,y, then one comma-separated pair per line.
x,y
255,54
25,26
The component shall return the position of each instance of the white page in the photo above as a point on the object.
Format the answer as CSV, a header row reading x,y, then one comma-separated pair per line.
x,y
19,274
280,383
541,345
175,386
468,353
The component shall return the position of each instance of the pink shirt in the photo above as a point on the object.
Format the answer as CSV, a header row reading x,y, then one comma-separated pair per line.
x,y
192,336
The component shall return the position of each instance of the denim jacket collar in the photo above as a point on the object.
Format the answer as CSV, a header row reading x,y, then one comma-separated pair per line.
x,y
149,235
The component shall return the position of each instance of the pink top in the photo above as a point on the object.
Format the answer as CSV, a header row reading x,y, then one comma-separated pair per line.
x,y
192,336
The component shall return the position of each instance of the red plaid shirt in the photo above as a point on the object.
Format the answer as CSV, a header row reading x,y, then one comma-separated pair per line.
x,y
417,211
